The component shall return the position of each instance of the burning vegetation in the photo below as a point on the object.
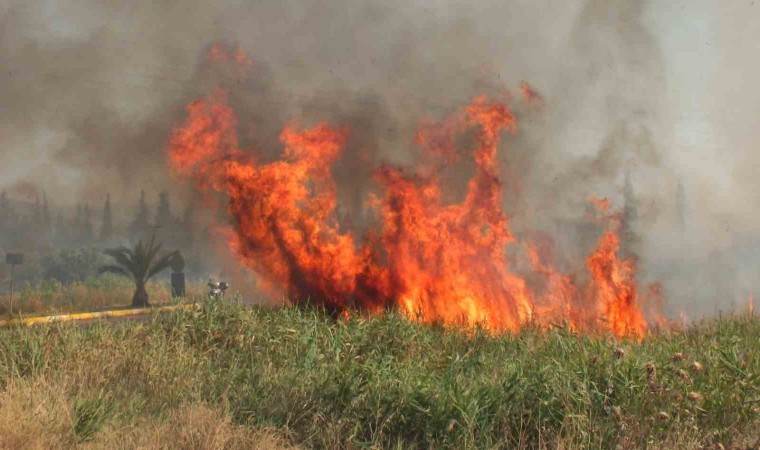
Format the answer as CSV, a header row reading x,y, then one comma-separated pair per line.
x,y
432,258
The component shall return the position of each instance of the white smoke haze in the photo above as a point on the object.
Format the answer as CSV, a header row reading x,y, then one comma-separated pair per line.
x,y
665,90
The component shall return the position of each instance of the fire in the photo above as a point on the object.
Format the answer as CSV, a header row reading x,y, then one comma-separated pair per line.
x,y
216,54
433,260
751,304
531,96
560,299
448,260
614,288
602,205
653,302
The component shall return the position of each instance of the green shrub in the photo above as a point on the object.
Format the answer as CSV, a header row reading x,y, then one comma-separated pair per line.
x,y
90,413
69,266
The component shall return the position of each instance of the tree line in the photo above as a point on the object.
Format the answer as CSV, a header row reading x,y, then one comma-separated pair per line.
x,y
33,227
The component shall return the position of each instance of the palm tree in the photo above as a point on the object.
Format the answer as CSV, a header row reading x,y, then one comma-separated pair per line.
x,y
139,264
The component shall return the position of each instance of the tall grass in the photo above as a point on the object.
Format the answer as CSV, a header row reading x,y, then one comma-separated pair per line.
x,y
292,376
108,291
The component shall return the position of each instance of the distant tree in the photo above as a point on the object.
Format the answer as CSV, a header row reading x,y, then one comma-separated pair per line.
x,y
167,225
188,225
140,226
61,230
81,226
630,215
630,205
38,235
87,229
37,215
6,211
164,217
139,264
47,220
76,224
8,219
71,265
106,230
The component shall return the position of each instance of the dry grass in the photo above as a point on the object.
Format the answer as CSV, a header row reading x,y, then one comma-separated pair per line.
x,y
51,297
35,414
196,426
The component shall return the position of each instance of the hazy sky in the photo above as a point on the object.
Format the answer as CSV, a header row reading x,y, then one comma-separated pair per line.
x,y
712,76
90,90
138,59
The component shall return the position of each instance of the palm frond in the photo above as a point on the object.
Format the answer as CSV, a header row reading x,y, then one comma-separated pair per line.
x,y
147,254
118,270
139,248
123,256
152,252
138,262
126,251
164,262
142,263
128,259
147,249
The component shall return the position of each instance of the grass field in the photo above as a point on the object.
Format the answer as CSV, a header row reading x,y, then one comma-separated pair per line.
x,y
108,291
226,376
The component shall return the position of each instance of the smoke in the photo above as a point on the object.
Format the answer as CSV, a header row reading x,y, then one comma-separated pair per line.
x,y
91,90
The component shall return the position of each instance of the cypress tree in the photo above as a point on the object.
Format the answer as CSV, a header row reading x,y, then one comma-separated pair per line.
x,y
630,215
164,216
37,216
106,231
139,227
47,220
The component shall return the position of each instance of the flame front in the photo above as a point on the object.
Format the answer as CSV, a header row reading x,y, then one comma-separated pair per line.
x,y
447,262
434,261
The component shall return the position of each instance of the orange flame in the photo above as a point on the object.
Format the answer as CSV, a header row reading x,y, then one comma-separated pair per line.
x,y
614,287
433,261
448,260
533,99
217,54
602,205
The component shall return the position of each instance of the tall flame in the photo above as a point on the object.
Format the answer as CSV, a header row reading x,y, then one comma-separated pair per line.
x,y
434,261
613,287
448,260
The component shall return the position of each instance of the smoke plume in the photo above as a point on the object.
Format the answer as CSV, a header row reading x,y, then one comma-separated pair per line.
x,y
91,91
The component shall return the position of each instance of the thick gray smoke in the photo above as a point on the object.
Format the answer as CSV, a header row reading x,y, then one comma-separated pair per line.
x,y
91,90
